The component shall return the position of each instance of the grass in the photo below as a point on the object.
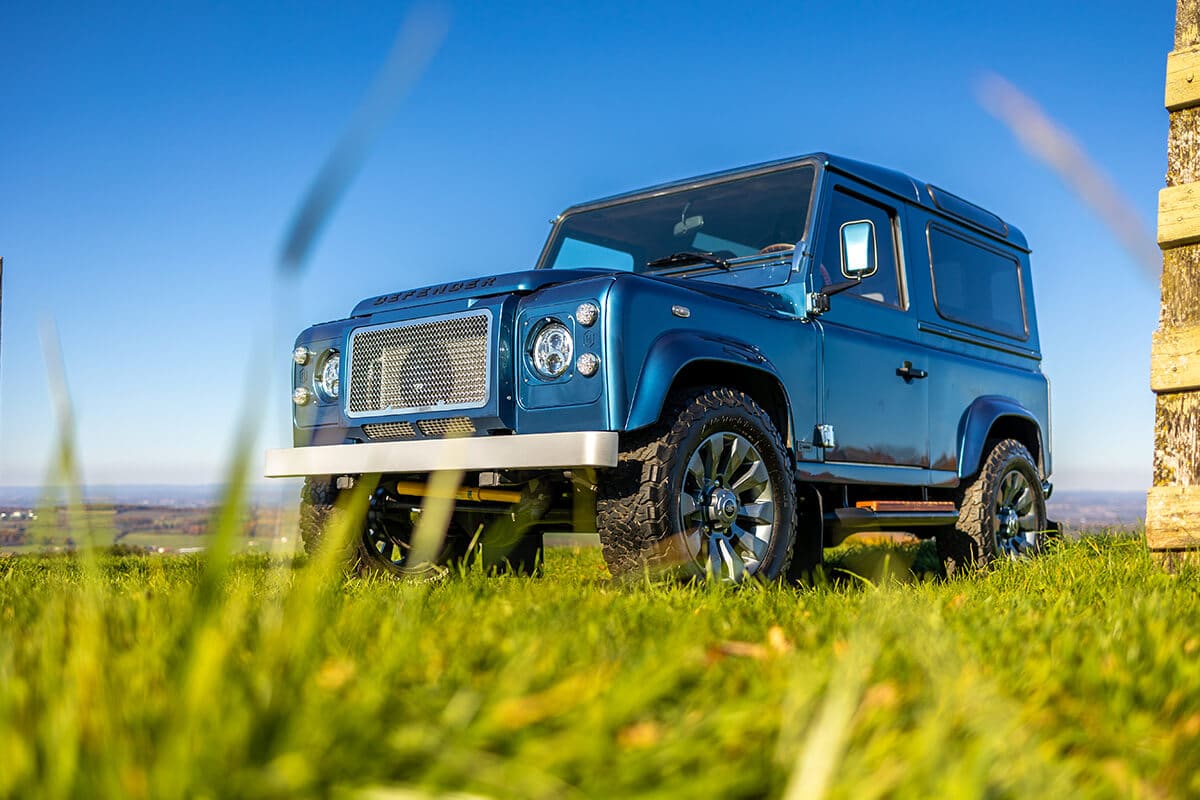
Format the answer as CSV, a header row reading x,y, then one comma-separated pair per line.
x,y
1075,675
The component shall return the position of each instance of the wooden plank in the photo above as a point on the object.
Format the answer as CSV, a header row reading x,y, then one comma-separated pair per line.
x,y
1183,79
1173,517
1179,215
1175,359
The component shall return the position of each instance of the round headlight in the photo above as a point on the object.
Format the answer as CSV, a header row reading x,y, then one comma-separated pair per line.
x,y
552,350
328,374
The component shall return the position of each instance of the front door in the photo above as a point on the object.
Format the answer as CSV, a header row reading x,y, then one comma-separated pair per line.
x,y
873,391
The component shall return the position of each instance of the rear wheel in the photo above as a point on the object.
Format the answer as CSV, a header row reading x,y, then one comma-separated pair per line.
x,y
1001,514
705,493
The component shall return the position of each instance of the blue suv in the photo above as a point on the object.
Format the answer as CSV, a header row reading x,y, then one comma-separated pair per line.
x,y
721,376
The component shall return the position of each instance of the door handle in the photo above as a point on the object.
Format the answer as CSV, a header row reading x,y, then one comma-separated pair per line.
x,y
910,374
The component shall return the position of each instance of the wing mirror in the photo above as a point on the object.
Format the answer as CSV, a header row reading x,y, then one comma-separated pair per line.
x,y
859,260
858,249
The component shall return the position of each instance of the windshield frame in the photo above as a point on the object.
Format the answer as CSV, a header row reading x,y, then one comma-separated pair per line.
x,y
689,184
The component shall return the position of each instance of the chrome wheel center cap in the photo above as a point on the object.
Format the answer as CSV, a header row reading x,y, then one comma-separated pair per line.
x,y
722,508
1009,523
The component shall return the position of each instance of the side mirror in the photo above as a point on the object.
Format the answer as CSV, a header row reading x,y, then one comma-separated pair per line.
x,y
858,249
859,260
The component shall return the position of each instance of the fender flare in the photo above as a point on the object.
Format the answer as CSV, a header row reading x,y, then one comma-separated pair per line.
x,y
978,421
674,351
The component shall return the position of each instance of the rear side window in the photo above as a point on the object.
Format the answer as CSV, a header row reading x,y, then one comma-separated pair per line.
x,y
976,286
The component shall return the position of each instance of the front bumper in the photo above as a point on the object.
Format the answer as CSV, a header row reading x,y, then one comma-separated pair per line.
x,y
522,451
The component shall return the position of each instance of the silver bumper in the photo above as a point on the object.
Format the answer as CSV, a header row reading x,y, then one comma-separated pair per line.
x,y
524,451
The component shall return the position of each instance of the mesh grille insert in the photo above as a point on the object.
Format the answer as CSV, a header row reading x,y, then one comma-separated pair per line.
x,y
389,430
440,363
454,426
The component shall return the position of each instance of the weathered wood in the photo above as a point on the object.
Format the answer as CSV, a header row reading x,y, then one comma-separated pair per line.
x,y
1173,560
1179,215
1171,514
1183,146
1173,505
1180,288
1177,440
1175,359
1183,79
1187,24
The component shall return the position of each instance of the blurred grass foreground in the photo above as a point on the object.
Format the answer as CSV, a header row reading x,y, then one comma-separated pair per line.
x,y
1075,675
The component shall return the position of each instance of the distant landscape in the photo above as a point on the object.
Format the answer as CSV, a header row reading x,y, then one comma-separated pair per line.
x,y
170,518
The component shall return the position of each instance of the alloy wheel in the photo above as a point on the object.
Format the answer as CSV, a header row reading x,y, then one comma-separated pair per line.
x,y
727,507
1015,521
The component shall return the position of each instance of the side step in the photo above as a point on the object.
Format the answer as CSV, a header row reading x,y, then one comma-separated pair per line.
x,y
888,515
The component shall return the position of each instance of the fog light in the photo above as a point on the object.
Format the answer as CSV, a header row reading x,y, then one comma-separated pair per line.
x,y
301,396
300,356
587,364
586,313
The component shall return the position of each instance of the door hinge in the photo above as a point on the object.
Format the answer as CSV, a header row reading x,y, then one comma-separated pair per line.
x,y
823,437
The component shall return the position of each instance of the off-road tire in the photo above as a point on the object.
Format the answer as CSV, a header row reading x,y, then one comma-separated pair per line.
x,y
317,511
637,502
972,542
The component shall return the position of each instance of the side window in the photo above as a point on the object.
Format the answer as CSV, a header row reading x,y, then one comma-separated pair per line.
x,y
976,286
884,285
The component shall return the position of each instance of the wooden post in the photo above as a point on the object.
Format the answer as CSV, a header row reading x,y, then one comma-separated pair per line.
x,y
1173,505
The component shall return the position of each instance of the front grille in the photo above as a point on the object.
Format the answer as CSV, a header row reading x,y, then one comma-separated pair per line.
x,y
454,426
389,430
443,362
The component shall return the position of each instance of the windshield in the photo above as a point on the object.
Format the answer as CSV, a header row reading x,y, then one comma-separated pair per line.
x,y
729,219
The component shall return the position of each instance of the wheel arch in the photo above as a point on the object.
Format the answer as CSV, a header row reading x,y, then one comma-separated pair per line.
x,y
683,360
991,418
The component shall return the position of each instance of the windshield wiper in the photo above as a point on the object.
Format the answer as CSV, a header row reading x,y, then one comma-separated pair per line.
x,y
689,257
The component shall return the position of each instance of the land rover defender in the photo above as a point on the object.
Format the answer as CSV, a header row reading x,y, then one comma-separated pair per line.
x,y
741,369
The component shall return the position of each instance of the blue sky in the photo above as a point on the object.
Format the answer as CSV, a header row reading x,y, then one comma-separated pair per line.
x,y
151,156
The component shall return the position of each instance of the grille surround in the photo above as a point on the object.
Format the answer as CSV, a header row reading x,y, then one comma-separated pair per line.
x,y
441,363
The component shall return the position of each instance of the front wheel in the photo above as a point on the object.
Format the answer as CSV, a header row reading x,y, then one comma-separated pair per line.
x,y
380,541
1001,515
707,492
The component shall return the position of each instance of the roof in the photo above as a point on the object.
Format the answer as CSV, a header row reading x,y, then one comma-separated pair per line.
x,y
897,183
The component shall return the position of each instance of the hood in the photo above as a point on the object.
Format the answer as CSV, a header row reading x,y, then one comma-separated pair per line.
x,y
529,280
